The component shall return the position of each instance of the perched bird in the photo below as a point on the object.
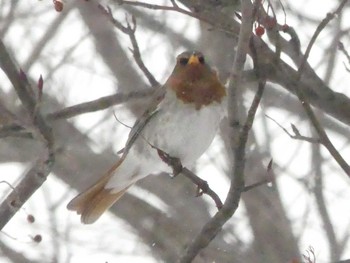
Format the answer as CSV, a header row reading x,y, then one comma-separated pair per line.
x,y
181,121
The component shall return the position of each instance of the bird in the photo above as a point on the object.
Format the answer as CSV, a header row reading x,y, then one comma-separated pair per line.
x,y
181,120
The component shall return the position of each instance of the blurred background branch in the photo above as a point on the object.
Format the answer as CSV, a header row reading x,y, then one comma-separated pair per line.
x,y
89,72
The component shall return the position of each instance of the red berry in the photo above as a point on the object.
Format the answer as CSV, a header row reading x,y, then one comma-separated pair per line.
x,y
259,31
30,218
58,5
37,238
285,27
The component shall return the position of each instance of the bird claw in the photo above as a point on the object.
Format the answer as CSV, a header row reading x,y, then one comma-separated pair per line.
x,y
173,162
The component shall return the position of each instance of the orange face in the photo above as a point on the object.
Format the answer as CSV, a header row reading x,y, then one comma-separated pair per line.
x,y
194,81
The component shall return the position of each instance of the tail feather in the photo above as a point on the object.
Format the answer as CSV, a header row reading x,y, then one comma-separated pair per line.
x,y
93,202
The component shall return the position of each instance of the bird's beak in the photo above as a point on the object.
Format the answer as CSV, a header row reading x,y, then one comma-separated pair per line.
x,y
193,60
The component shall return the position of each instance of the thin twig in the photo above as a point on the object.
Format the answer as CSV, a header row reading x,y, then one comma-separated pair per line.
x,y
255,185
342,49
25,94
174,7
17,130
224,25
268,179
299,92
130,30
318,191
99,104
297,135
346,53
321,26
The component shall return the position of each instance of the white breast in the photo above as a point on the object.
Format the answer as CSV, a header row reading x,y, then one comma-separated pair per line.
x,y
183,131
177,129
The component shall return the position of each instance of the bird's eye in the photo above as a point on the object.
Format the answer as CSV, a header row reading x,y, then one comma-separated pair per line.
x,y
201,59
183,61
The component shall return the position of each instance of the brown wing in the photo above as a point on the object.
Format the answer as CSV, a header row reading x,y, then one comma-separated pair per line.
x,y
140,124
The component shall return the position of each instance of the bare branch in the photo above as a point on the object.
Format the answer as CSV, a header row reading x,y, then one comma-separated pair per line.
x,y
346,53
297,135
38,173
219,23
211,228
130,31
318,127
18,130
321,26
99,104
334,248
174,7
25,94
176,165
269,178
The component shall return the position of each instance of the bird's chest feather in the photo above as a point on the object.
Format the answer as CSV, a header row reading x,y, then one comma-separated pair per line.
x,y
181,130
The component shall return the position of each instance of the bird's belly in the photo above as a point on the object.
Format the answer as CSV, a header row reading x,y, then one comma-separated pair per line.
x,y
183,132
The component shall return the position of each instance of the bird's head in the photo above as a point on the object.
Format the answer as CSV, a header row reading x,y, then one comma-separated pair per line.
x,y
194,81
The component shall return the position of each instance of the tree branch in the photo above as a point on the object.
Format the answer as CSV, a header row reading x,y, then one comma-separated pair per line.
x,y
41,131
176,165
98,104
211,228
130,31
297,135
318,191
318,127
